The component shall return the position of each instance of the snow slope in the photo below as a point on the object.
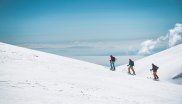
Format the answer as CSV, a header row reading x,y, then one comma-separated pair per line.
x,y
33,77
169,62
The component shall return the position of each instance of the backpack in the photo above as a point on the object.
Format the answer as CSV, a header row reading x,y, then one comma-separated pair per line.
x,y
155,68
113,59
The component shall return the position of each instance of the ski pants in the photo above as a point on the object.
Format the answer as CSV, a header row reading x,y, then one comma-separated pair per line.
x,y
131,67
112,65
155,75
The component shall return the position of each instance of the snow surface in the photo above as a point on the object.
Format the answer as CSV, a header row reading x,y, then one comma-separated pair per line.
x,y
33,77
168,61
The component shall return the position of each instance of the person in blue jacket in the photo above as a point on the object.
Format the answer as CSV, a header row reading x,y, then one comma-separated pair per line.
x,y
112,61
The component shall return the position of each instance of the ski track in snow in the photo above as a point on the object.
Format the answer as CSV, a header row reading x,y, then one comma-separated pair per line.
x,y
33,77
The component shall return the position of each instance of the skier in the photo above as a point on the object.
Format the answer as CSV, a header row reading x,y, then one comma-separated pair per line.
x,y
112,60
154,69
131,64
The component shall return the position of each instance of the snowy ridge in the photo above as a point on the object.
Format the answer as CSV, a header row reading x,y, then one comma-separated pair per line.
x,y
33,77
168,61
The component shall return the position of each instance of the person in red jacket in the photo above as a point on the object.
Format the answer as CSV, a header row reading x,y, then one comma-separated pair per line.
x,y
154,69
112,61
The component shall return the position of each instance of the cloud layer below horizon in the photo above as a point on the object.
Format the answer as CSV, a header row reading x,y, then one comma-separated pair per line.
x,y
88,48
108,47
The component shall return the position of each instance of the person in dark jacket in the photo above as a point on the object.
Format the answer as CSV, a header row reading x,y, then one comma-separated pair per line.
x,y
112,61
154,69
131,64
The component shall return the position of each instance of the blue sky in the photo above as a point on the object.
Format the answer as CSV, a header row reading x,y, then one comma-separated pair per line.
x,y
59,20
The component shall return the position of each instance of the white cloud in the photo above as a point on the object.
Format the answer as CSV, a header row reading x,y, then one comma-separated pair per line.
x,y
147,46
172,38
175,35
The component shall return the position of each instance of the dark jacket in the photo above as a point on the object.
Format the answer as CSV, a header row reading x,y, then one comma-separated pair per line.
x,y
131,63
154,68
113,59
